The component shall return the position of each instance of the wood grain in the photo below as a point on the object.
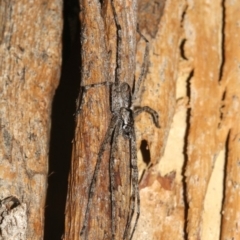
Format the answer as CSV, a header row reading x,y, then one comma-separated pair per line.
x,y
30,49
99,42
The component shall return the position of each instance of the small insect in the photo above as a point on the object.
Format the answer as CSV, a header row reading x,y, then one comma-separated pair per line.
x,y
122,123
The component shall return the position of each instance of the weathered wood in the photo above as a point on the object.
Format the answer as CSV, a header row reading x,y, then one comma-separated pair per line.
x,y
99,44
203,51
231,110
161,195
30,50
207,97
213,54
192,81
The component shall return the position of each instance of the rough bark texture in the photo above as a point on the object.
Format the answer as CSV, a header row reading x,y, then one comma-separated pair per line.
x,y
231,82
193,82
214,95
98,53
160,195
30,50
203,51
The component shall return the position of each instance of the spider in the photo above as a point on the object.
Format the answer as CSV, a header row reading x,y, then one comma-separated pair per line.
x,y
121,123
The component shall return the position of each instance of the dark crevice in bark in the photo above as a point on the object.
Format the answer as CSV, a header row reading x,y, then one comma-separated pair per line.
x,y
63,124
183,15
221,108
224,180
144,148
223,40
188,92
184,40
182,53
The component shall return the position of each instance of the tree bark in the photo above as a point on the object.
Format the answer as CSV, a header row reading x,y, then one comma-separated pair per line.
x,y
30,50
188,168
99,45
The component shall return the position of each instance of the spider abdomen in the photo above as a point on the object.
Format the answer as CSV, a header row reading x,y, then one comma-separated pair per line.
x,y
127,122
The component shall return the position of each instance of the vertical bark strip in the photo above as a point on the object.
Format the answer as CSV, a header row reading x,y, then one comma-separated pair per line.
x,y
99,45
30,50
204,52
231,78
89,132
161,195
213,48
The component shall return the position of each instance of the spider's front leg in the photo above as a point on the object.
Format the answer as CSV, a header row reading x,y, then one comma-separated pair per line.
x,y
83,93
150,111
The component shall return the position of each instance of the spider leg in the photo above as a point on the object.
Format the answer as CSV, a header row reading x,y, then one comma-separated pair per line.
x,y
83,93
150,111
112,176
119,45
135,189
143,68
106,140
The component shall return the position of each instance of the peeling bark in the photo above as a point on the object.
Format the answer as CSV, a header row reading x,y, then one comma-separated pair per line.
x,y
159,91
192,81
203,49
231,77
212,52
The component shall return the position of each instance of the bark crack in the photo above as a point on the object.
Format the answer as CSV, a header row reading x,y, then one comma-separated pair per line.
x,y
188,116
223,40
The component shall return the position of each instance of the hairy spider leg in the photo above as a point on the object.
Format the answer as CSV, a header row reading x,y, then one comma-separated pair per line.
x,y
112,177
107,139
135,190
119,43
84,90
150,111
144,68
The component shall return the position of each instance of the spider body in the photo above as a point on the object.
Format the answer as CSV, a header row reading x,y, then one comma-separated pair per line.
x,y
127,122
121,107
120,96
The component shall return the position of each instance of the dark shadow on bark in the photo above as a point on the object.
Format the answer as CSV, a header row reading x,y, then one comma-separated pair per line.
x,y
62,129
144,148
186,155
224,179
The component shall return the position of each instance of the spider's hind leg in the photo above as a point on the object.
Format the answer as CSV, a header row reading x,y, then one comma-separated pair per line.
x,y
106,141
135,197
113,152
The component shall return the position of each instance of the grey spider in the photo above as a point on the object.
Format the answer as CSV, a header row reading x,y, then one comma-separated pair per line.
x,y
122,123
